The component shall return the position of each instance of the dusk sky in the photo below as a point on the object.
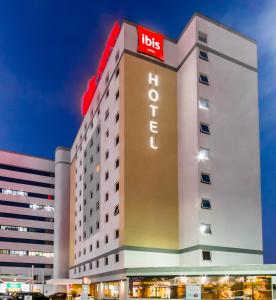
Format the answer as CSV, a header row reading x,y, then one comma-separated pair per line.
x,y
49,49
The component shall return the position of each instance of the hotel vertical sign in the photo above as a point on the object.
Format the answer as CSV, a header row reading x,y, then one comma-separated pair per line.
x,y
153,97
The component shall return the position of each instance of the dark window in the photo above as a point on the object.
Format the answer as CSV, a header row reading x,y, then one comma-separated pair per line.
x,y
91,229
205,204
202,37
106,218
97,244
117,95
106,239
116,257
117,140
116,233
117,55
106,196
116,210
97,264
106,114
106,261
98,130
26,217
42,196
117,72
25,241
106,175
203,55
107,133
107,78
203,79
106,154
91,143
117,186
206,255
27,182
204,128
91,211
90,248
98,205
117,163
205,178
25,265
26,170
98,225
117,118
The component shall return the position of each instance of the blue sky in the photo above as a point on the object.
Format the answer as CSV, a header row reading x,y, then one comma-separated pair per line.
x,y
49,49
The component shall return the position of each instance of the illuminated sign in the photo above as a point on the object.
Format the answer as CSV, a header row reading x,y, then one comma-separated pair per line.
x,y
153,97
92,84
150,43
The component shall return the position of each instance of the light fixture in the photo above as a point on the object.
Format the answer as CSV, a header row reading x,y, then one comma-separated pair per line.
x,y
203,154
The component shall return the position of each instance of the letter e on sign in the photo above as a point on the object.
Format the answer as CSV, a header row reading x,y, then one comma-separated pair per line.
x,y
150,43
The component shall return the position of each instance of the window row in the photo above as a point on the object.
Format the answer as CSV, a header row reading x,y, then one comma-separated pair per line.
x,y
96,264
26,253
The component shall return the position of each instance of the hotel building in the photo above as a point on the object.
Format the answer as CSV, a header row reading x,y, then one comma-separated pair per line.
x,y
165,169
26,219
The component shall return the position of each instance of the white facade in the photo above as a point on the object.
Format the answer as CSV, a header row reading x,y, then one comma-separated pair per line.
x,y
232,146
26,215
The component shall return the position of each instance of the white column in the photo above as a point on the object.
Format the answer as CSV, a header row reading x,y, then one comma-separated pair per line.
x,y
62,207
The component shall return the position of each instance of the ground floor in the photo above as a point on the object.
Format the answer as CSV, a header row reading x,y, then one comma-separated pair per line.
x,y
252,282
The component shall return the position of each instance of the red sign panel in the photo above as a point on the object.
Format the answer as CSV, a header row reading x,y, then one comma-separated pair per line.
x,y
150,43
92,85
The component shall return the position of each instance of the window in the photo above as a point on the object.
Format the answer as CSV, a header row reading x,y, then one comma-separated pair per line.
x,y
98,129
91,159
106,261
98,148
91,194
205,178
117,56
203,154
117,186
91,177
203,55
117,95
205,229
117,140
107,134
117,163
116,210
116,233
98,168
106,239
98,187
106,114
98,205
107,94
106,196
117,73
106,154
203,79
204,128
106,78
202,37
97,264
106,175
97,244
203,104
91,229
205,203
116,257
91,143
117,118
90,247
106,218
91,211
98,225
206,255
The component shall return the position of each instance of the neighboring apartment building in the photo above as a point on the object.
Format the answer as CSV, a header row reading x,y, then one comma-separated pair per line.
x,y
165,170
26,217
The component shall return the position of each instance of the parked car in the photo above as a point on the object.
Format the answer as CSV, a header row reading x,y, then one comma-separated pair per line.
x,y
35,296
58,296
5,296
